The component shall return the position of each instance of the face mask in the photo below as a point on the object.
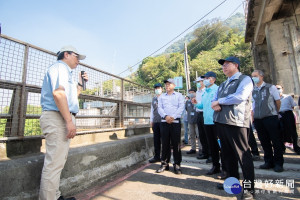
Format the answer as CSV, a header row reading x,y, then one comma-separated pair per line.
x,y
198,85
158,91
192,95
206,82
255,79
280,91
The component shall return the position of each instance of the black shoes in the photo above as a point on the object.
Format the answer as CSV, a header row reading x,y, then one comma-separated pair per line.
x,y
162,168
200,157
70,198
154,160
223,176
192,151
255,157
177,169
266,166
209,160
247,196
278,168
220,186
213,170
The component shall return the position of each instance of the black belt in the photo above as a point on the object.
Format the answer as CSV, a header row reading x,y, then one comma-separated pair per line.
x,y
74,114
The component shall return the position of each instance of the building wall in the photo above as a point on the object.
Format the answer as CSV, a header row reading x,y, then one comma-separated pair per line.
x,y
282,41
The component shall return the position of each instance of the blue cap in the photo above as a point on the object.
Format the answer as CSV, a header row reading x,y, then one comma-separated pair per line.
x,y
157,85
210,74
230,59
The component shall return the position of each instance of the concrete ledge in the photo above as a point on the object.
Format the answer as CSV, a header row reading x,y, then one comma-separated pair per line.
x,y
19,146
20,178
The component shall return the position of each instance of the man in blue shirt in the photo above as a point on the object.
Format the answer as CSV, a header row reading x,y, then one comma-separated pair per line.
x,y
59,101
170,108
209,126
232,106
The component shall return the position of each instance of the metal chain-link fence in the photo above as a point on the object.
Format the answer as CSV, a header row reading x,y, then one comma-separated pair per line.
x,y
108,102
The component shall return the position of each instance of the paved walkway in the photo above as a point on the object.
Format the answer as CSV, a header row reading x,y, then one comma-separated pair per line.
x,y
141,182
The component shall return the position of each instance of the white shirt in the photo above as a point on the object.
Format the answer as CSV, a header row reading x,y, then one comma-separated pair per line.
x,y
287,103
171,105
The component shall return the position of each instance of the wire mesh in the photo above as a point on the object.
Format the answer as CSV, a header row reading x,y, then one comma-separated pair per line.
x,y
5,106
99,104
12,60
38,62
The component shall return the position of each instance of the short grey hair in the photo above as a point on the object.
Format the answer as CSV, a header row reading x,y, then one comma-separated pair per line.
x,y
261,73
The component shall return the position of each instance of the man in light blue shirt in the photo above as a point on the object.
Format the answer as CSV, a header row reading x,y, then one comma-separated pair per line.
x,y
59,100
210,129
170,108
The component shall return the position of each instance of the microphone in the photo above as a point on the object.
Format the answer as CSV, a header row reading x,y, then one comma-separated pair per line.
x,y
83,81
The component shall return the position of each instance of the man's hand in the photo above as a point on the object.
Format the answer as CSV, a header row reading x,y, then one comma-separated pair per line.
x,y
194,101
71,130
169,119
85,76
216,106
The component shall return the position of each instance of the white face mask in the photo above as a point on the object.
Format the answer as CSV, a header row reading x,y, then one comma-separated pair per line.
x,y
158,91
280,91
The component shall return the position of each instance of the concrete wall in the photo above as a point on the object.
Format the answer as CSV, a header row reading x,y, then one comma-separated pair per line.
x,y
20,177
261,60
283,39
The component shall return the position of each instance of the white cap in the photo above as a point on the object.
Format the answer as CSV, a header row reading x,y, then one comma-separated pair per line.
x,y
73,49
199,79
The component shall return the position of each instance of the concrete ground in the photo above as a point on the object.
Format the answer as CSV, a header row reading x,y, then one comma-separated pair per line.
x,y
141,182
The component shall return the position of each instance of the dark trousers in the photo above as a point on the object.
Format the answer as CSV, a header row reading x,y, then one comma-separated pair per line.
x,y
289,128
235,149
252,142
170,135
156,140
270,139
212,139
202,135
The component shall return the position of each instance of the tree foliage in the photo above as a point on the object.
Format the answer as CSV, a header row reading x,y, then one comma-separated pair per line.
x,y
212,41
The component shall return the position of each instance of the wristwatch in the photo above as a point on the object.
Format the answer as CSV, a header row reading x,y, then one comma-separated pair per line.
x,y
165,116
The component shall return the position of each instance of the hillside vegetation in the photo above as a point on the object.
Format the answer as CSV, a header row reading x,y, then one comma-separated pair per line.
x,y
208,43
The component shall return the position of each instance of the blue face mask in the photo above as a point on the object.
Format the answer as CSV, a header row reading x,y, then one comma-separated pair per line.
x,y
255,79
198,85
206,82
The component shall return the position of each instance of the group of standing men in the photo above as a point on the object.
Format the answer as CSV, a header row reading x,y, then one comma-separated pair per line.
x,y
225,113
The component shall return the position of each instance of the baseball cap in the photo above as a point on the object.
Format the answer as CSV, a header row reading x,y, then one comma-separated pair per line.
x,y
157,85
170,80
230,59
73,49
210,74
199,79
193,89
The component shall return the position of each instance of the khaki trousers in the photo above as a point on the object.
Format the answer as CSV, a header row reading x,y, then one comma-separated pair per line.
x,y
57,146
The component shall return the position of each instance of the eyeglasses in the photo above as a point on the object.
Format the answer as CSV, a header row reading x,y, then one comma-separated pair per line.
x,y
225,64
77,56
279,88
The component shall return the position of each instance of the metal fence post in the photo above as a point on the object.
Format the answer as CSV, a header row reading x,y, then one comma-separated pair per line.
x,y
122,104
24,95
